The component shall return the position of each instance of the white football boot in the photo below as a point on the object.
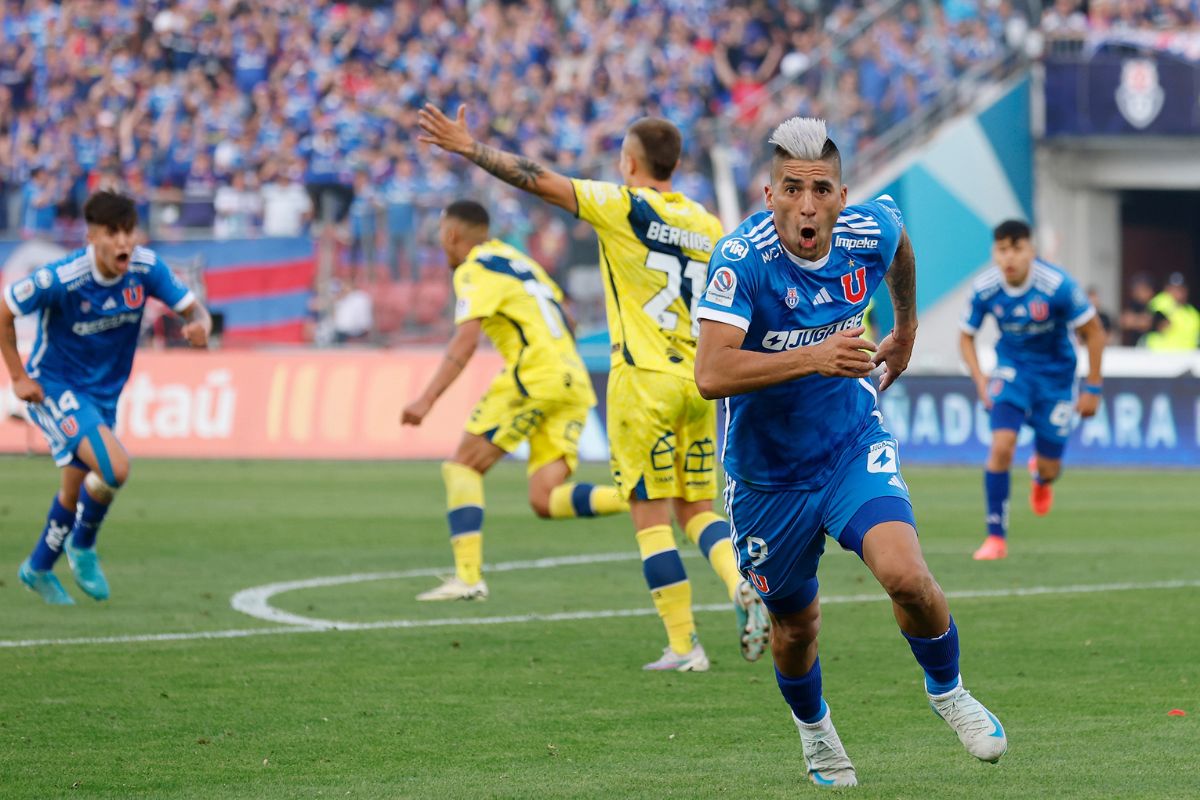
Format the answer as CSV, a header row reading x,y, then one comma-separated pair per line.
x,y
454,588
977,728
824,755
754,626
693,660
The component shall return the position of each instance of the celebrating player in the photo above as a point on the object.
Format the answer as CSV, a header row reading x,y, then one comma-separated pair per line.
x,y
1037,307
543,395
654,245
91,305
806,453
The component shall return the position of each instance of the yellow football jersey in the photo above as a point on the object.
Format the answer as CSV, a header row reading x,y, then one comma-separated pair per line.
x,y
522,314
654,251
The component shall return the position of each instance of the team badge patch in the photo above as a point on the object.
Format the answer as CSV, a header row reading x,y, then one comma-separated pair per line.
x,y
43,278
85,306
69,425
1039,310
854,285
721,287
792,298
23,290
134,296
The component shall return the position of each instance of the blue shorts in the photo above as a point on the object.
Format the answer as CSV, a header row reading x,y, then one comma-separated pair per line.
x,y
780,536
1044,404
66,418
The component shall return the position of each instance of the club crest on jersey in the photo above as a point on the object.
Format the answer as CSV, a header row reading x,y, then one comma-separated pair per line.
x,y
69,425
134,296
85,306
792,298
1039,310
854,285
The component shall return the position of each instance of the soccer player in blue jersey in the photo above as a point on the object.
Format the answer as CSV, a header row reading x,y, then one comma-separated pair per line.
x,y
806,453
1038,309
90,305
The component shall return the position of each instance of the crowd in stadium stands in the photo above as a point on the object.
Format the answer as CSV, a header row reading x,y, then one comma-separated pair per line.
x,y
248,118
1068,19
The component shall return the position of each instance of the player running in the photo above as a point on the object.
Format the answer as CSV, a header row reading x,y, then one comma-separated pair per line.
x,y
654,247
806,454
91,305
1038,308
543,395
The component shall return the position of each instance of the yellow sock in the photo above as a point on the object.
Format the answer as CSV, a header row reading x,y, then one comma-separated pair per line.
x,y
569,500
669,586
464,504
711,533
468,557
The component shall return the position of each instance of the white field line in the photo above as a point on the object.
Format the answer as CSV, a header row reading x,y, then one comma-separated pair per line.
x,y
256,599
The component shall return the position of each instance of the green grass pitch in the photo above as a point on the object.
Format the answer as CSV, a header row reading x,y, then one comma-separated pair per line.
x,y
1083,680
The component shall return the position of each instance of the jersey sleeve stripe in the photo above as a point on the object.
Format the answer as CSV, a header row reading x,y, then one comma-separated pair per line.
x,y
11,301
750,234
1083,318
767,242
184,301
967,327
723,316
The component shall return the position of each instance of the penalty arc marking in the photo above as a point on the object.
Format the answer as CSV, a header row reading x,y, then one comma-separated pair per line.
x,y
255,602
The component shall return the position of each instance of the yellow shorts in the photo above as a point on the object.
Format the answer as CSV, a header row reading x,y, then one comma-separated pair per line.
x,y
662,435
506,418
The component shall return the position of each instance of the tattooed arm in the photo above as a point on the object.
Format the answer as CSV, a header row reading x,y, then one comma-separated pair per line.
x,y
453,136
896,348
902,285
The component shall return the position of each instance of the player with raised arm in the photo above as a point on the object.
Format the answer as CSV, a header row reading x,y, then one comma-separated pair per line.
x,y
806,453
1039,308
654,247
90,305
543,395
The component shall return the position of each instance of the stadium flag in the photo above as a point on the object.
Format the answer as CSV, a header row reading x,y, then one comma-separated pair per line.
x,y
263,287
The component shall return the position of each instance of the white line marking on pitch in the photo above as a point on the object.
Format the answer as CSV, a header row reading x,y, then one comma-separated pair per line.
x,y
257,599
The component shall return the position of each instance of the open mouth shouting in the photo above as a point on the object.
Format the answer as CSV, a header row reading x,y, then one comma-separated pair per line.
x,y
808,237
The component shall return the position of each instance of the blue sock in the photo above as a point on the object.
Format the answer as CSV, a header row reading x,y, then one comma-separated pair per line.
x,y
995,486
939,658
49,546
804,694
87,521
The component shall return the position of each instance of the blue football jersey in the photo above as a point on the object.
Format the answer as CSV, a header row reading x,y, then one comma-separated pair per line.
x,y
89,326
790,436
1037,320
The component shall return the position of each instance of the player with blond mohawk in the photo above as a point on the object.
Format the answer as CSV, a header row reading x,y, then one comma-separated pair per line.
x,y
806,453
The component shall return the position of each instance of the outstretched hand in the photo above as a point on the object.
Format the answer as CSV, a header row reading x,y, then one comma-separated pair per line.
x,y
196,333
842,354
414,413
894,353
451,135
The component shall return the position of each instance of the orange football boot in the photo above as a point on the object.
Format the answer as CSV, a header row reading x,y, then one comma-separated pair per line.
x,y
993,548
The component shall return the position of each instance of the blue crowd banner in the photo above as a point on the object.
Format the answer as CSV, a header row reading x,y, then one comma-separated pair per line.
x,y
1115,92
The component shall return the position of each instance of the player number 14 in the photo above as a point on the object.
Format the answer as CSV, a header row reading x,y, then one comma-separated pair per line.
x,y
677,269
